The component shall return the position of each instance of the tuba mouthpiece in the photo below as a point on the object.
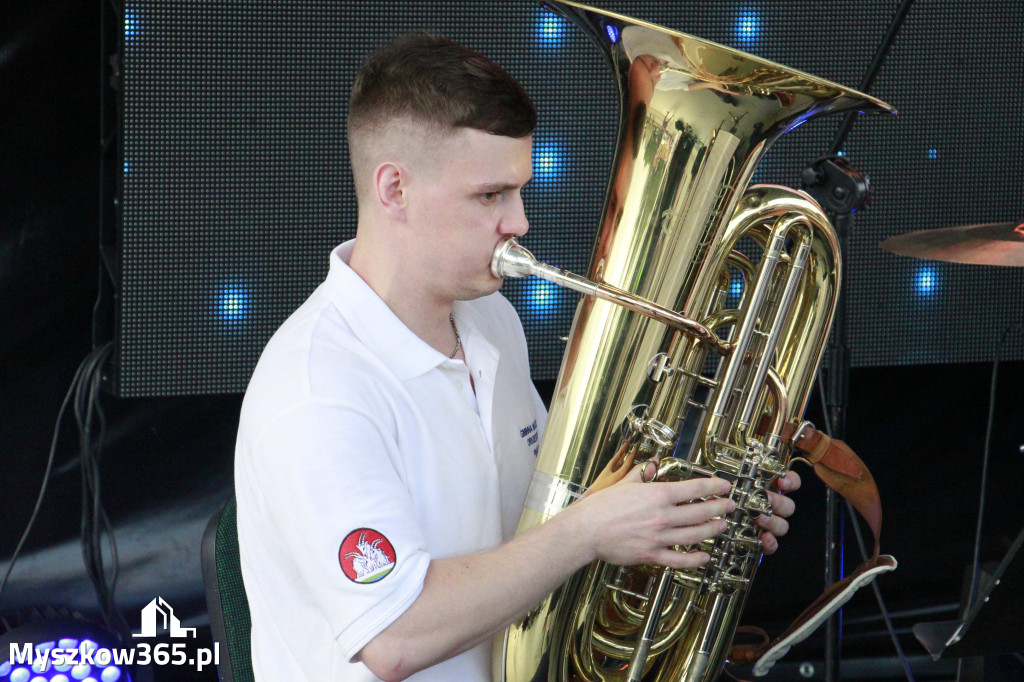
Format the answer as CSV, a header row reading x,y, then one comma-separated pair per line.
x,y
512,260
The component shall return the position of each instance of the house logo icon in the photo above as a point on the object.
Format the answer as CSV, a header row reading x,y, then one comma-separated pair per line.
x,y
159,610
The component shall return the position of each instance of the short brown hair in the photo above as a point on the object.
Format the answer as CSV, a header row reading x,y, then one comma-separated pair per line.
x,y
435,81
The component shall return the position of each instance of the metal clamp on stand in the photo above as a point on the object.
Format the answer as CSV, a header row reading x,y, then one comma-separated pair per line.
x,y
837,185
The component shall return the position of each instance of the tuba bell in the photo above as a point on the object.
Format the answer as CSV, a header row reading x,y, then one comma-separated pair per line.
x,y
706,391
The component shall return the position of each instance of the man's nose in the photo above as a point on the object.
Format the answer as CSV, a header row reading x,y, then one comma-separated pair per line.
x,y
515,224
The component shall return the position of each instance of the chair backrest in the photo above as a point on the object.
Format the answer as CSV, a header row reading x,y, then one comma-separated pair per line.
x,y
225,596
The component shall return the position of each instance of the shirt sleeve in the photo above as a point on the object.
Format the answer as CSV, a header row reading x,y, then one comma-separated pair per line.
x,y
335,531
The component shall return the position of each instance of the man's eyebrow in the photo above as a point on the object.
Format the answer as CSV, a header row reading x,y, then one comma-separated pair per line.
x,y
496,186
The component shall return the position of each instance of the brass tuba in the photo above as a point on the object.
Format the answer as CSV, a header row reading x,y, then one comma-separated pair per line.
x,y
706,391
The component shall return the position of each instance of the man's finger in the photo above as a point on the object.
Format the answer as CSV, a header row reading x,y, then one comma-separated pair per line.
x,y
700,512
781,505
769,544
776,525
790,482
698,488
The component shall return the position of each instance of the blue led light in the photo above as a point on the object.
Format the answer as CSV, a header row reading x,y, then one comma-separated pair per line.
x,y
111,674
748,26
542,297
613,33
551,30
40,666
927,281
232,303
548,161
132,22
735,291
60,648
933,154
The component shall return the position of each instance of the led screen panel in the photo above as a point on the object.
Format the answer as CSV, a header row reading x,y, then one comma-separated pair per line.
x,y
235,186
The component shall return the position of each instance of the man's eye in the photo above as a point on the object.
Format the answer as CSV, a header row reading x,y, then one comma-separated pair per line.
x,y
489,196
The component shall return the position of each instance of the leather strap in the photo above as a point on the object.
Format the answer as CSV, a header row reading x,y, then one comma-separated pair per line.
x,y
843,471
765,655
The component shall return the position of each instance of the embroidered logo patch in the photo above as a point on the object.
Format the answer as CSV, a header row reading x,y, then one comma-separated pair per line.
x,y
366,556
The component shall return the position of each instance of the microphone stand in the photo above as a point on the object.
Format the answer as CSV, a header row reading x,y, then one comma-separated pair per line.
x,y
841,190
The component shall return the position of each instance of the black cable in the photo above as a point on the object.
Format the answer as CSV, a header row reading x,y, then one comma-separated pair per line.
x,y
67,467
84,419
873,70
83,396
976,562
46,479
92,422
95,524
883,609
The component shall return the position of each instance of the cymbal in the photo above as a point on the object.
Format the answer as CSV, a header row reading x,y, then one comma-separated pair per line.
x,y
985,244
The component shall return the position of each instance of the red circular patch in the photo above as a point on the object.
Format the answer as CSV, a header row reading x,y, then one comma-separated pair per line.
x,y
366,556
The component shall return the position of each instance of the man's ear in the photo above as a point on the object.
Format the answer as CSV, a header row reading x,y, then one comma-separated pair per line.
x,y
390,182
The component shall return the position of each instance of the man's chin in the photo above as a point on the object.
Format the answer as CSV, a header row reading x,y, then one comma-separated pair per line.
x,y
485,289
497,283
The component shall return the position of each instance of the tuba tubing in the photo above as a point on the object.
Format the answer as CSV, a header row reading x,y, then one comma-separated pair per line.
x,y
510,259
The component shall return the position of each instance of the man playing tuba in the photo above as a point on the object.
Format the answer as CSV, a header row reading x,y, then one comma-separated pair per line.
x,y
394,409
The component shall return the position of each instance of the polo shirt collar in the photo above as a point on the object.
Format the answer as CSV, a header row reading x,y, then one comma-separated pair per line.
x,y
373,322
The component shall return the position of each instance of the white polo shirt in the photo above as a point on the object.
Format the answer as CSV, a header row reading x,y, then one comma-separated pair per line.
x,y
362,454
